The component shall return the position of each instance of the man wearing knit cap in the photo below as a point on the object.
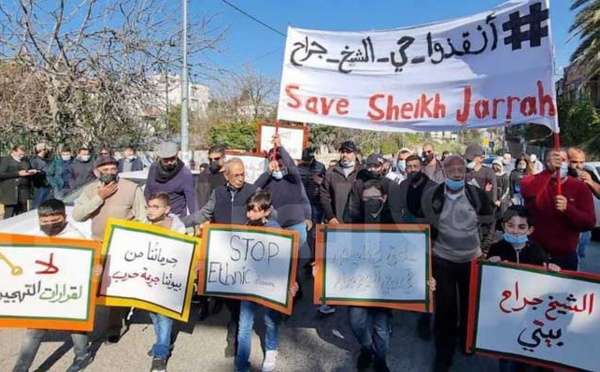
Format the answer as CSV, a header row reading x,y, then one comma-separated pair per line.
x,y
169,175
109,197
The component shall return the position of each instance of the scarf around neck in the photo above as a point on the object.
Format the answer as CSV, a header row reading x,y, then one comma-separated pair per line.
x,y
163,175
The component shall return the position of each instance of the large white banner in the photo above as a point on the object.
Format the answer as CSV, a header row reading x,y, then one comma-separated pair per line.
x,y
535,315
490,69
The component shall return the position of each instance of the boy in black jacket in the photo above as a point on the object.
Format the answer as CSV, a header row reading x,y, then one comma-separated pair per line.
x,y
514,247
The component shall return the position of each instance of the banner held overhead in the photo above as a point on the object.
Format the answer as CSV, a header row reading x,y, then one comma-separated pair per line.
x,y
490,69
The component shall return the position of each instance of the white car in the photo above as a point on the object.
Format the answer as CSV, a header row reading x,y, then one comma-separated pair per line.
x,y
27,223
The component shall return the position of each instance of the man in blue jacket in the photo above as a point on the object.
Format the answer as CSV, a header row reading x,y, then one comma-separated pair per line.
x,y
57,173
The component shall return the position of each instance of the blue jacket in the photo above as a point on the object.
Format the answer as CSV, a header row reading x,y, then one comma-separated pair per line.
x,y
136,164
57,174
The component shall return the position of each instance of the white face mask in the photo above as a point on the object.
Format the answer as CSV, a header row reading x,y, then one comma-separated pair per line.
x,y
85,158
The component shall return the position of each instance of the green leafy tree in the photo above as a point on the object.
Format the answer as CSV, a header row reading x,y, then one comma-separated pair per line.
x,y
235,135
587,27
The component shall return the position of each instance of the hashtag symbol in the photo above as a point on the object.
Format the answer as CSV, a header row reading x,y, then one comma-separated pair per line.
x,y
534,20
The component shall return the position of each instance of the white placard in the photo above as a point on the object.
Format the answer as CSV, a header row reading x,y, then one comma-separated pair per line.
x,y
45,282
149,267
367,265
254,166
537,315
494,68
249,263
292,139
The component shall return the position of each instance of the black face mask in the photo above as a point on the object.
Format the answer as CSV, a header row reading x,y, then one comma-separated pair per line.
x,y
53,229
373,208
415,177
374,174
169,167
107,178
214,167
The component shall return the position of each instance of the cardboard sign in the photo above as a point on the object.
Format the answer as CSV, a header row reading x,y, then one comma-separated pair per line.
x,y
148,267
495,68
529,314
373,265
256,264
47,283
294,138
254,164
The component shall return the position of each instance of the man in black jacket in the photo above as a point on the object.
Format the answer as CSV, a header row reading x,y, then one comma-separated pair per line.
x,y
41,188
212,177
312,173
208,181
15,182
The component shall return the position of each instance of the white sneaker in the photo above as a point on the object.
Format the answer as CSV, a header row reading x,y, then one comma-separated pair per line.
x,y
326,309
270,361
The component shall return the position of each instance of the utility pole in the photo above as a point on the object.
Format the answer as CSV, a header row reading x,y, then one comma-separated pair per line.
x,y
166,97
184,91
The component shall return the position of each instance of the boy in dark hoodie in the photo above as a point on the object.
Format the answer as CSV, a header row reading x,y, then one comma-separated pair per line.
x,y
515,247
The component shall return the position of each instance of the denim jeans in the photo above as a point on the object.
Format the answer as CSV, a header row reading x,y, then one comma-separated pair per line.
x,y
271,318
31,344
584,240
570,262
162,328
301,228
511,366
361,319
40,195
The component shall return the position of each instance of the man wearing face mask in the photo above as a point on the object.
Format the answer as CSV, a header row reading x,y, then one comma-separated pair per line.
x,y
559,219
130,162
461,219
213,176
312,173
401,163
432,166
109,197
355,209
169,175
41,188
478,175
58,173
81,170
227,204
337,184
15,182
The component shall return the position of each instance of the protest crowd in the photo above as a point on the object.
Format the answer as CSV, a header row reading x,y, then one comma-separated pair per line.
x,y
483,248
474,212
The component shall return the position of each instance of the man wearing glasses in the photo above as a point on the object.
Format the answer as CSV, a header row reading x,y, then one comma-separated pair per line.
x,y
169,175
213,176
227,204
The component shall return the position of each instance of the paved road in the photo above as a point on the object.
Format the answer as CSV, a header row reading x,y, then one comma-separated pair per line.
x,y
308,342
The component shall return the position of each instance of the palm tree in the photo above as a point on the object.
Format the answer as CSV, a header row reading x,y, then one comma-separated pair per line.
x,y
587,27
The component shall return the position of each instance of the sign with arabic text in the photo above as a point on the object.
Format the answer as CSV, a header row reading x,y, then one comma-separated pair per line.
x,y
47,283
530,314
250,263
294,138
373,265
148,267
494,68
254,164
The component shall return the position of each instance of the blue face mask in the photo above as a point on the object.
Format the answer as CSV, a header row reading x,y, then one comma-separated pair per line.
x,y
346,163
277,175
564,170
401,165
512,239
455,185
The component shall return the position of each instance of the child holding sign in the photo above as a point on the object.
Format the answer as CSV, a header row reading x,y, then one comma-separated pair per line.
x,y
159,208
258,208
514,247
53,222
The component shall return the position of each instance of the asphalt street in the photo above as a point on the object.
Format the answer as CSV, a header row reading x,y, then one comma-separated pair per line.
x,y
308,342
